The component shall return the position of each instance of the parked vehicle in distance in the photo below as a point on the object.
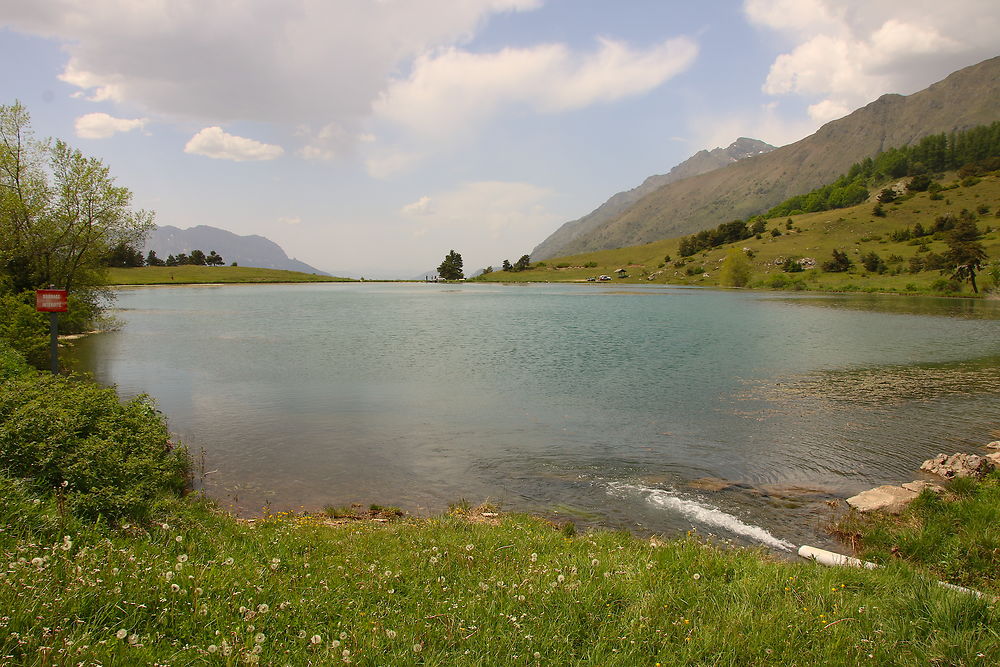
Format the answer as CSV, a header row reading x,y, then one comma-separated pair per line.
x,y
604,278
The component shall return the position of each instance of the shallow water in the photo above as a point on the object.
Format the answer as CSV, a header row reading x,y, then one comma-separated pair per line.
x,y
596,404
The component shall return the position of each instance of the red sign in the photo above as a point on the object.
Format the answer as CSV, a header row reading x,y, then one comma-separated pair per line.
x,y
50,300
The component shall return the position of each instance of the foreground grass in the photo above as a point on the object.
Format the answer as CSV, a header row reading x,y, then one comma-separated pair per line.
x,y
199,275
954,537
203,588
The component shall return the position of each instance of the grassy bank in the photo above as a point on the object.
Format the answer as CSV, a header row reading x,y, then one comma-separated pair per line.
x,y
855,230
199,275
168,579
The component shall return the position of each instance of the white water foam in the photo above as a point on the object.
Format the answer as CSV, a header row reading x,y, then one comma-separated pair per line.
x,y
699,513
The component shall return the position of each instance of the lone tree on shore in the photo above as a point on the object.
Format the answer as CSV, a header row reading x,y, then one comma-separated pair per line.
x,y
966,254
451,267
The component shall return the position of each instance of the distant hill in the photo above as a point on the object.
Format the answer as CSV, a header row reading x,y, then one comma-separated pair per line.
x,y
699,163
965,99
250,250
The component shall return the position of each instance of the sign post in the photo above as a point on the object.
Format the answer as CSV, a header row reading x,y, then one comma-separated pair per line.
x,y
53,302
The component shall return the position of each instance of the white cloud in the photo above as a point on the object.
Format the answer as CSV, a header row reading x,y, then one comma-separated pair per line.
x,y
289,220
451,88
420,207
387,163
290,62
102,126
214,143
848,52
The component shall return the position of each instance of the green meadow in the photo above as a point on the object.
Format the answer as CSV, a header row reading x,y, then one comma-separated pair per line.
x,y
855,230
200,275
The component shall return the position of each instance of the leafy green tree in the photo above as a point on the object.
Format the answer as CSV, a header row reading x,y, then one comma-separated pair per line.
x,y
182,259
840,262
451,267
60,212
507,266
124,255
523,263
736,268
214,259
792,265
965,255
873,263
171,261
198,257
153,260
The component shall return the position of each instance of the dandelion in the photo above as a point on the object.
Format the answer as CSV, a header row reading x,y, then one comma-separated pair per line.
x,y
284,605
417,648
696,576
198,591
539,655
67,543
133,639
534,557
561,578
391,634
470,547
434,560
121,634
334,644
179,538
212,648
228,561
595,563
315,639
37,562
343,636
345,653
182,558
259,638
174,588
262,608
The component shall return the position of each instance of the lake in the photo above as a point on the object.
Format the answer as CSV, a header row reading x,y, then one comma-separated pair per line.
x,y
614,406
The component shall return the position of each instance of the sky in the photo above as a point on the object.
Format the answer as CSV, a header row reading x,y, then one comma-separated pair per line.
x,y
370,137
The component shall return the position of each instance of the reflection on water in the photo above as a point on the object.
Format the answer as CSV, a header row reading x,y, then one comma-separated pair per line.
x,y
599,405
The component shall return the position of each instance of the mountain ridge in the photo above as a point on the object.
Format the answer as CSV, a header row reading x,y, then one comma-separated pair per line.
x,y
251,250
964,99
699,163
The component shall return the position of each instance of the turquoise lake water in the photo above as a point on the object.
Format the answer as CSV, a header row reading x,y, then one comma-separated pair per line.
x,y
615,406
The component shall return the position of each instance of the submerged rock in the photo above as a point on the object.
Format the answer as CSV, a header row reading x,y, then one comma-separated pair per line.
x,y
993,445
887,498
959,465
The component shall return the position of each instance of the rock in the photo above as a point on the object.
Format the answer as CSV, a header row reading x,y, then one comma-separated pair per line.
x,y
918,486
958,465
995,457
711,484
993,445
891,499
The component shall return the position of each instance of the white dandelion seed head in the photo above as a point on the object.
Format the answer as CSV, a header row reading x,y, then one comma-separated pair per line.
x,y
417,648
259,638
315,639
182,558
121,634
696,576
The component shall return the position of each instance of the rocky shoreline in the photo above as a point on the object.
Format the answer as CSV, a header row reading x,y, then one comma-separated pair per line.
x,y
893,499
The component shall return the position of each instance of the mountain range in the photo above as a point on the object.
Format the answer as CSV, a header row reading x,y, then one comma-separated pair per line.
x,y
749,186
250,250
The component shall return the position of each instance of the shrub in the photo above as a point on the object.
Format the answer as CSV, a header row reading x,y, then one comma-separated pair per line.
x,y
946,286
590,265
106,458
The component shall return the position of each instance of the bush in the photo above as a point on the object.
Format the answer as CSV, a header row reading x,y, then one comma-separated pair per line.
x,y
945,286
106,458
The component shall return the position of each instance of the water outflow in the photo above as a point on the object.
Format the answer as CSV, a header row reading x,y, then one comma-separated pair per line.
x,y
698,513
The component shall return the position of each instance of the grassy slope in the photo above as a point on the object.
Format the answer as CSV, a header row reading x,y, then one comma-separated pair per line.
x,y
816,235
195,275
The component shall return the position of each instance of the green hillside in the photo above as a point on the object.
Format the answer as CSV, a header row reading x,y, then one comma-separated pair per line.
x,y
201,275
855,231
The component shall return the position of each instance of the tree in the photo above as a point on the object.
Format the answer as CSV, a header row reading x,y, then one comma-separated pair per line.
x,y
153,260
736,268
965,255
124,255
523,263
61,213
214,259
507,265
840,262
872,262
451,267
171,261
183,259
198,258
